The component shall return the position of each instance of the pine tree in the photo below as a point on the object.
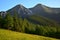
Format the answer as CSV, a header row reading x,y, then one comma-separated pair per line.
x,y
0,20
8,21
16,22
24,25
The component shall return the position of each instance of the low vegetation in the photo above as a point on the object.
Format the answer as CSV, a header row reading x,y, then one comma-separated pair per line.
x,y
11,35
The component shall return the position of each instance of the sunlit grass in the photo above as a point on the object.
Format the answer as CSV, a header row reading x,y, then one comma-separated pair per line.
x,y
11,35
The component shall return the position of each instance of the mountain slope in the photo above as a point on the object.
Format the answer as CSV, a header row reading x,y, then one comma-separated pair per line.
x,y
50,13
42,20
39,10
11,35
20,10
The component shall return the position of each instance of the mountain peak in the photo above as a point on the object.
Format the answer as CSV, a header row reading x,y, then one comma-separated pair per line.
x,y
19,5
39,5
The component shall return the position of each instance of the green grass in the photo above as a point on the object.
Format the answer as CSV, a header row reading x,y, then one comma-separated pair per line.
x,y
11,35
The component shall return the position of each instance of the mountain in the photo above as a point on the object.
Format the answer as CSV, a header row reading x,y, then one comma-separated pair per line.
x,y
39,11
39,20
50,13
20,10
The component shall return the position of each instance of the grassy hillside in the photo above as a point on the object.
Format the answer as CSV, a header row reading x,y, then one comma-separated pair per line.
x,y
11,35
42,20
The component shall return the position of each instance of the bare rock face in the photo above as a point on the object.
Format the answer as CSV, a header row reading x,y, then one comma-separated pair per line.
x,y
20,10
3,13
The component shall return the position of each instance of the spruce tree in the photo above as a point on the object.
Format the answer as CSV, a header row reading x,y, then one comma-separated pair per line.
x,y
8,21
16,22
0,20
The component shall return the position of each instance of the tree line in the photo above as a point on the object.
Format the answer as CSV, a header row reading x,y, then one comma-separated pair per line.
x,y
15,23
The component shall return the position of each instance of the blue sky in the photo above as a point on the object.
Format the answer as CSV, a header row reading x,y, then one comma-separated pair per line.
x,y
7,4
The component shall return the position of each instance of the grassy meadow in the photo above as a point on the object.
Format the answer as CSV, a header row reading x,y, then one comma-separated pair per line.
x,y
11,35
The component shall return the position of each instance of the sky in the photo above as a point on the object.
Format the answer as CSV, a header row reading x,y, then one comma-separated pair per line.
x,y
8,4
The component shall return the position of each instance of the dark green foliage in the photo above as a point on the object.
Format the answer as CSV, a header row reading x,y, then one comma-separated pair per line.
x,y
0,21
16,22
8,21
